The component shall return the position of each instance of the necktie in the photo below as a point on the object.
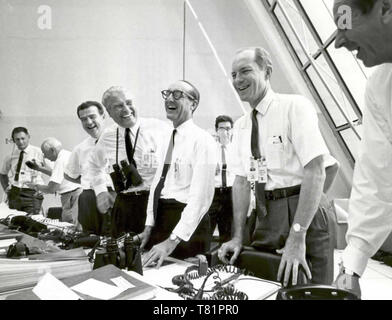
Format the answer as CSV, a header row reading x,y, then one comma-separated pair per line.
x,y
128,147
18,166
224,167
166,166
259,187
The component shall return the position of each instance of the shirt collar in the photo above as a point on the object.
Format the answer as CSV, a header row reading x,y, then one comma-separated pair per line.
x,y
26,150
133,129
264,104
183,127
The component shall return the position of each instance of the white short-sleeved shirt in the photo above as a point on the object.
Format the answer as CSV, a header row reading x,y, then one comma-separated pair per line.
x,y
190,178
58,173
370,207
289,138
78,163
26,174
148,143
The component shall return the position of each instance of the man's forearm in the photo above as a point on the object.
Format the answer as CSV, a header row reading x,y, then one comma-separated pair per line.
x,y
50,188
330,175
77,180
241,200
4,181
44,170
311,191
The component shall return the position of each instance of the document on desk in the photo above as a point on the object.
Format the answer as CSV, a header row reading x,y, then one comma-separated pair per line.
x,y
50,288
98,289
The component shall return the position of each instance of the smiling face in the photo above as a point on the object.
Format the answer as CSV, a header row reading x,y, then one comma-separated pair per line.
x,y
367,36
92,121
180,110
21,140
120,108
249,80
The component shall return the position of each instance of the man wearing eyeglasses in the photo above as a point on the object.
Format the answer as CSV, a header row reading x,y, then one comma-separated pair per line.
x,y
183,187
221,210
127,151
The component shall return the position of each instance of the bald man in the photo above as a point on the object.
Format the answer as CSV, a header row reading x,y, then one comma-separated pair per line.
x,y
69,191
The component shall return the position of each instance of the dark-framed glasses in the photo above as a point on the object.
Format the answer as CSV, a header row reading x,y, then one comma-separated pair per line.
x,y
227,129
177,94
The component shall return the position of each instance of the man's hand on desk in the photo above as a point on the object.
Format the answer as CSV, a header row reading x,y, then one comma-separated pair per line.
x,y
233,246
158,253
105,202
144,236
293,256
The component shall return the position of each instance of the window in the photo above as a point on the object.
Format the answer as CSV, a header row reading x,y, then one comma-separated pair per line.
x,y
335,77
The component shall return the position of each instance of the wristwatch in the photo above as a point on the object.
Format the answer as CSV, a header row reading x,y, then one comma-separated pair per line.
x,y
297,228
350,273
174,238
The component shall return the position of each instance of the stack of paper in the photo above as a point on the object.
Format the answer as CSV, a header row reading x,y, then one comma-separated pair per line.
x,y
18,274
105,283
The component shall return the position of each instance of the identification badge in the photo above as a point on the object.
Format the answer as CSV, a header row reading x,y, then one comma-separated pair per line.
x,y
262,168
154,159
146,160
253,174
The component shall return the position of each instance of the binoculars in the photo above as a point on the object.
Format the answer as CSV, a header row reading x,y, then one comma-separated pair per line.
x,y
125,176
129,257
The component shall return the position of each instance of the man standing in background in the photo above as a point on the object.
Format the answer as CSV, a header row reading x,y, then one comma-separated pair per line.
x,y
221,210
15,174
69,191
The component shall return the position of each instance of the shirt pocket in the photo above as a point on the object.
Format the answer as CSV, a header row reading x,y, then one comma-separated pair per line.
x,y
274,153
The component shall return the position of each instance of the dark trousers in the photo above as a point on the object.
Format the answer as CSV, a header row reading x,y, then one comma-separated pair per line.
x,y
221,213
89,217
168,214
272,231
129,213
24,199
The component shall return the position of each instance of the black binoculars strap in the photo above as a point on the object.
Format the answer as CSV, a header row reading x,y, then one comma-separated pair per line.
x,y
133,149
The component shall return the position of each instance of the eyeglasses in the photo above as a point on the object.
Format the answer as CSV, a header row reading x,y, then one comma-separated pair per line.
x,y
228,129
177,94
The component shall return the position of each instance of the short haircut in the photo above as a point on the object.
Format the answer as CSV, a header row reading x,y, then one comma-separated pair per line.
x,y
88,104
194,92
262,59
223,118
366,6
18,130
115,90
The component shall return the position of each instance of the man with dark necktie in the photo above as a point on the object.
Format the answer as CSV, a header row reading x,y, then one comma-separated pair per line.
x,y
221,210
281,157
177,222
15,174
127,151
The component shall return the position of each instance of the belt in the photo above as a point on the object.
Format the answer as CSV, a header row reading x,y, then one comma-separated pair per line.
x,y
64,193
282,193
136,193
22,189
222,189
